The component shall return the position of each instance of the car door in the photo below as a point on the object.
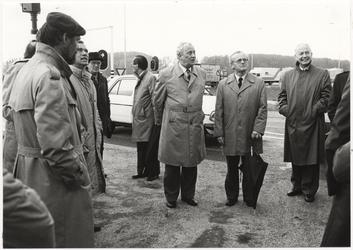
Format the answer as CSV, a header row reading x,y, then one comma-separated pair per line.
x,y
121,100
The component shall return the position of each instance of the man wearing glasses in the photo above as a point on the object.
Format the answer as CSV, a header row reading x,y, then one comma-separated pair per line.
x,y
240,121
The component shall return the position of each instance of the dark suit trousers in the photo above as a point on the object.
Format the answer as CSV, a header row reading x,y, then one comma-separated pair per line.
x,y
174,180
141,157
338,228
152,163
306,178
232,179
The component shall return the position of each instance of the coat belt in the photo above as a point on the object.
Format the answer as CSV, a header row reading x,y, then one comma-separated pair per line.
x,y
184,109
37,152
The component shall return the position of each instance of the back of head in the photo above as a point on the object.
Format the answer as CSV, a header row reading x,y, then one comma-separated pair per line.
x,y
56,25
141,61
30,50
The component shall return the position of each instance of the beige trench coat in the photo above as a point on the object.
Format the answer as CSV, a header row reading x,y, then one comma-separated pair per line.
x,y
50,159
142,109
239,112
91,129
178,105
10,142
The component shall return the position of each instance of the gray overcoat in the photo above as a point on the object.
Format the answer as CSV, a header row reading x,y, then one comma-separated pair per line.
x,y
239,112
178,105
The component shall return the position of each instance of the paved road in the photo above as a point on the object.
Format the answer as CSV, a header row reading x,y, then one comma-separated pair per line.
x,y
133,214
274,131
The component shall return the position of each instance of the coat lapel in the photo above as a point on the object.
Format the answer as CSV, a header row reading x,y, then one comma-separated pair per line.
x,y
247,82
232,83
193,74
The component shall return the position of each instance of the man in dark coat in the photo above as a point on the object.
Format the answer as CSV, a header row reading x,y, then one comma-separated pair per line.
x,y
336,94
143,120
303,99
103,101
337,146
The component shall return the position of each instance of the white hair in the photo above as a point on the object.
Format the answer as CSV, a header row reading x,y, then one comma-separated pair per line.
x,y
181,47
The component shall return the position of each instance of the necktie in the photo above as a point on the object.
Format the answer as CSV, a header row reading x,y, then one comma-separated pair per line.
x,y
240,82
187,74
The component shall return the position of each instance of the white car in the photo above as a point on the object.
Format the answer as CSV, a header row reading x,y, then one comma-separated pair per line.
x,y
121,91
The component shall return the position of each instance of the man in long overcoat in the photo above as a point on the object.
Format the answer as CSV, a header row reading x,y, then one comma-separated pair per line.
x,y
177,103
143,120
240,121
10,142
103,100
337,146
336,94
303,100
91,124
47,125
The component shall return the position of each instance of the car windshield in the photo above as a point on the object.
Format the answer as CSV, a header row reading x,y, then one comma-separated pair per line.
x,y
207,91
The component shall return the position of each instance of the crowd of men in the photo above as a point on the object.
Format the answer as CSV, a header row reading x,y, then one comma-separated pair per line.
x,y
56,105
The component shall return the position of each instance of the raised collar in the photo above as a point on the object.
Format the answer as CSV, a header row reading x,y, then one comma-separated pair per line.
x,y
81,73
53,57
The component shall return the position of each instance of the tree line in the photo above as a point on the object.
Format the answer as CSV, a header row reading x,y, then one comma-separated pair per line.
x,y
259,60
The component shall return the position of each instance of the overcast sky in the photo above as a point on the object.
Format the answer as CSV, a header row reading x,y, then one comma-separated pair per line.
x,y
213,27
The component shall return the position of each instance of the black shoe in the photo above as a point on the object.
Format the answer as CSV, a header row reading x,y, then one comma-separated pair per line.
x,y
136,176
96,228
309,198
231,202
294,192
171,204
152,178
190,201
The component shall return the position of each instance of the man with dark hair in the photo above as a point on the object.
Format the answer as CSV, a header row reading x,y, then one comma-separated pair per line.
x,y
103,101
47,125
91,124
143,120
10,142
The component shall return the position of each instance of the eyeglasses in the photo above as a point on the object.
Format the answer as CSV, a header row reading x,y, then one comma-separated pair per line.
x,y
241,60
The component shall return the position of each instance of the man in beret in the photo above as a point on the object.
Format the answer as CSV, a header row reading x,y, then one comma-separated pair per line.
x,y
103,101
47,125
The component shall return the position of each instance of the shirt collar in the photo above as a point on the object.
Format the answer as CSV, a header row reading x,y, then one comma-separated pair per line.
x,y
183,68
237,77
304,69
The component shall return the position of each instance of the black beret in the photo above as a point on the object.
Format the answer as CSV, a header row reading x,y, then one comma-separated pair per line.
x,y
94,56
65,23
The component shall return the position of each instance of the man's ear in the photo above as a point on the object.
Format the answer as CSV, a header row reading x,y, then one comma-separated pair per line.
x,y
66,38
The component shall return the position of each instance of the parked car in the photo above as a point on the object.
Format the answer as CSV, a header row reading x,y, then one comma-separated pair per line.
x,y
121,91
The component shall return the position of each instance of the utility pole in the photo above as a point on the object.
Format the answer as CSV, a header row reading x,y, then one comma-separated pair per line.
x,y
34,10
